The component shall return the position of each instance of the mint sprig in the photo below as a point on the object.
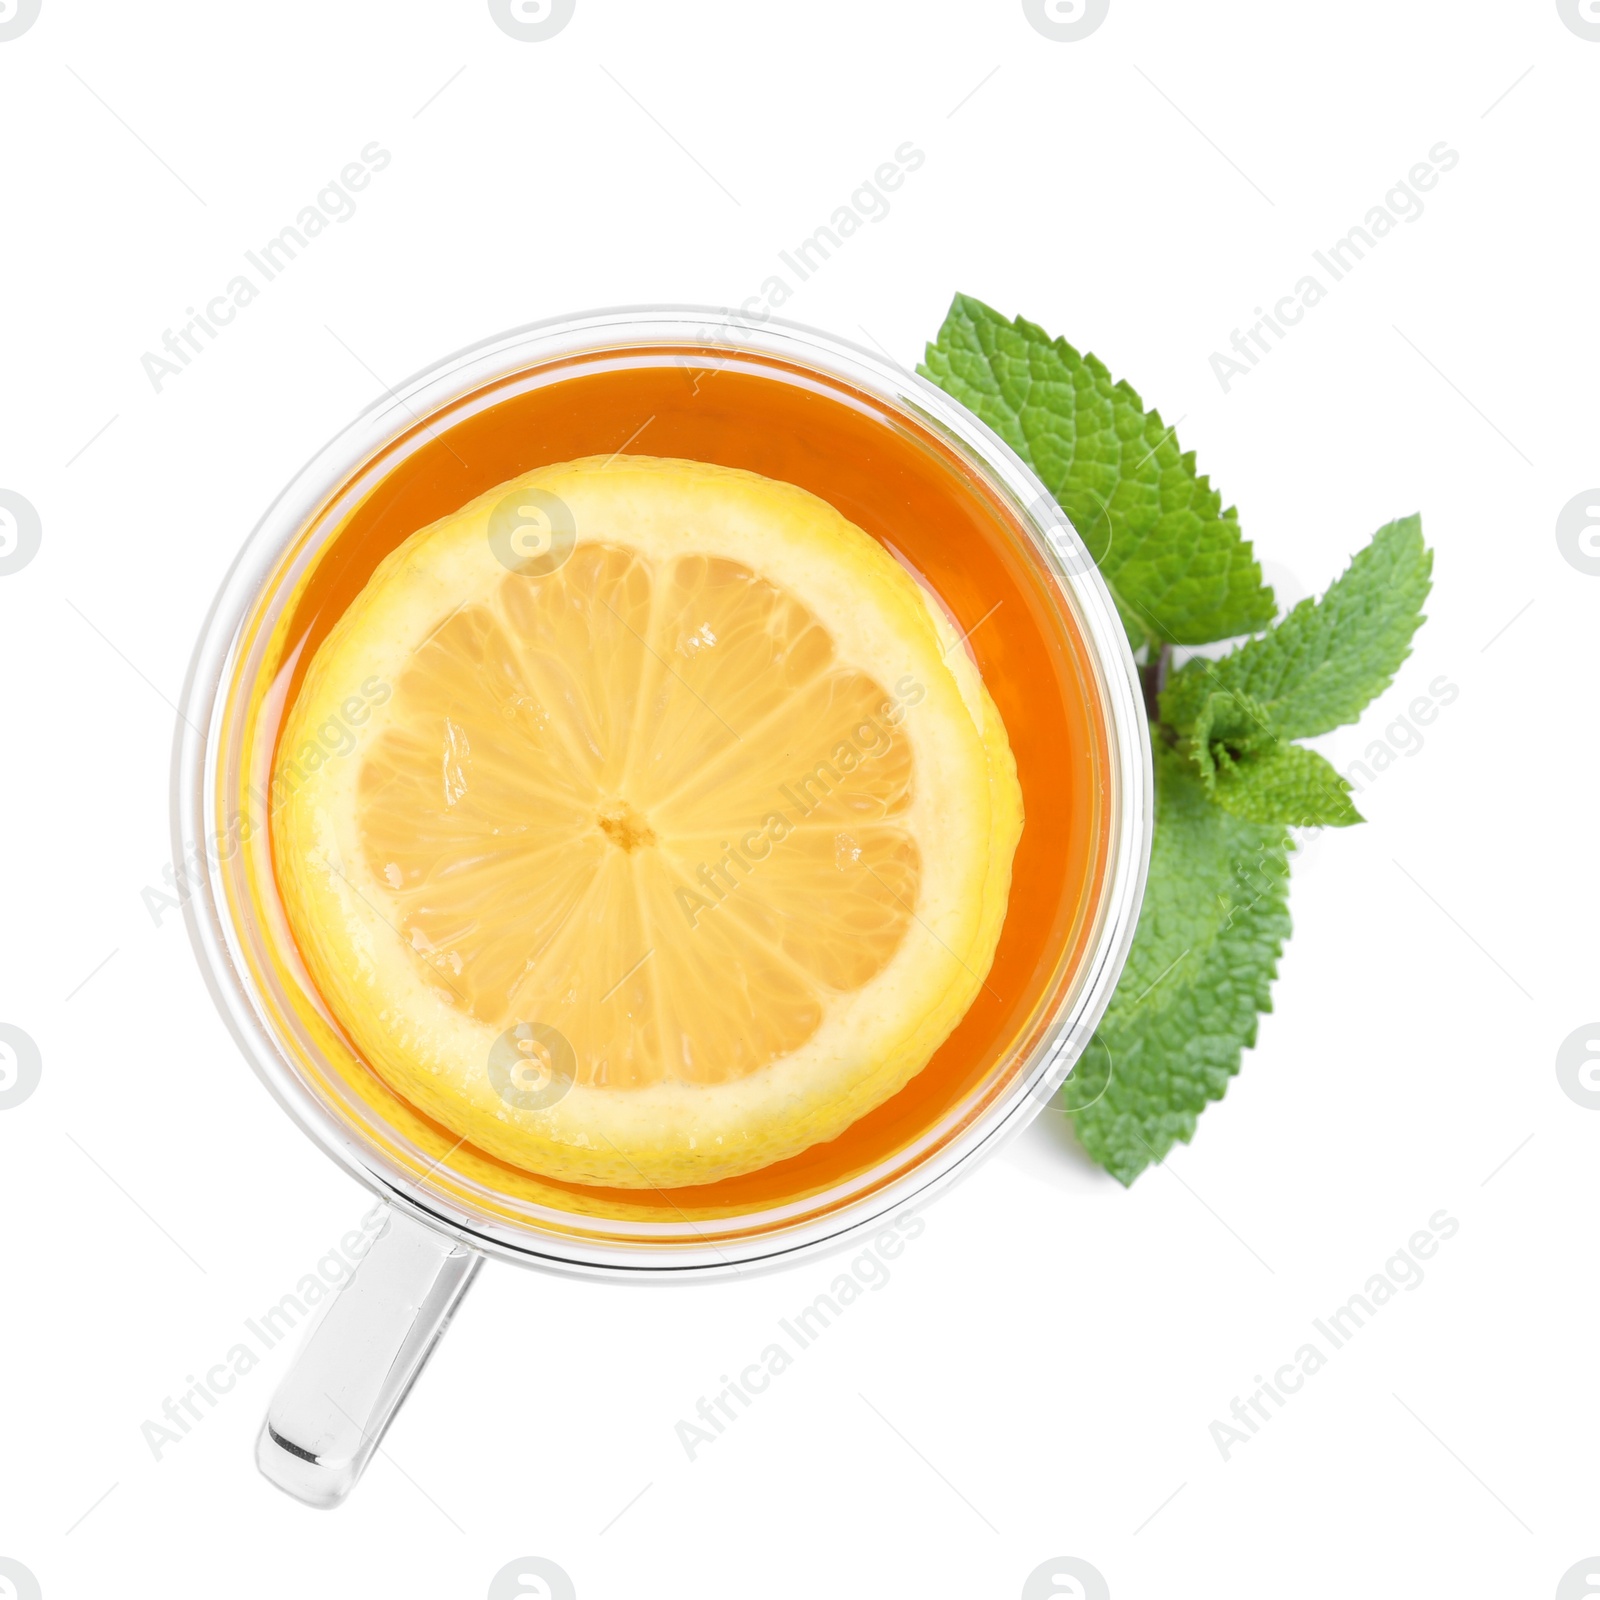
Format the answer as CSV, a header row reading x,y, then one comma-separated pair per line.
x,y
1230,781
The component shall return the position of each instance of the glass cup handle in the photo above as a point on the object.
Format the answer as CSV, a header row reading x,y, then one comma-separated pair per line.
x,y
360,1358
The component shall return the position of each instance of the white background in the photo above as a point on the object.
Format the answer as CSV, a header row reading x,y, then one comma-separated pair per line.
x,y
1053,1349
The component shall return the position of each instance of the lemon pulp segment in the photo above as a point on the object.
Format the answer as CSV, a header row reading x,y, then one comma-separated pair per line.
x,y
674,829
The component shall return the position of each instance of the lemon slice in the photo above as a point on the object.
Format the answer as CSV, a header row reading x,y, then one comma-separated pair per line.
x,y
676,827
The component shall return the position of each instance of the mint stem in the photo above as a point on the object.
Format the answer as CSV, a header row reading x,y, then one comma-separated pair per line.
x,y
1153,678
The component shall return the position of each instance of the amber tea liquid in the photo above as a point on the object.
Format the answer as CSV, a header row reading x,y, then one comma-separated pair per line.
x,y
907,488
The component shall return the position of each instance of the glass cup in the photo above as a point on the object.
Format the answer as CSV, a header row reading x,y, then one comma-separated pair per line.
x,y
447,1205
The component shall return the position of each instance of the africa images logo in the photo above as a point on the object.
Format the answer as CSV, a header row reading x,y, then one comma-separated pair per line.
x,y
16,17
20,532
1066,21
1578,533
532,21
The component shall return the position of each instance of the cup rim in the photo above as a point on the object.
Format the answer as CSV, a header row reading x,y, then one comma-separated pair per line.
x,y
428,393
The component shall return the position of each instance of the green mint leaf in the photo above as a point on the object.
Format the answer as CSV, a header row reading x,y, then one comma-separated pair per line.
x,y
1286,784
1228,728
1321,665
1249,771
1173,557
1214,922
